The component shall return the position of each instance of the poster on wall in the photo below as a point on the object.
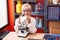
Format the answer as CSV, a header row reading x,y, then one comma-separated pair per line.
x,y
3,13
39,7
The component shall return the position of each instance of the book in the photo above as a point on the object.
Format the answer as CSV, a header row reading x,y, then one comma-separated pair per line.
x,y
53,13
25,34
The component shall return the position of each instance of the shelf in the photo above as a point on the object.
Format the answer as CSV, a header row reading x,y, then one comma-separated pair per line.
x,y
55,5
41,16
16,15
52,20
40,27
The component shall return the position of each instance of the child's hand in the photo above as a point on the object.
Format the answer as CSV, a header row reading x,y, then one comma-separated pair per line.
x,y
29,20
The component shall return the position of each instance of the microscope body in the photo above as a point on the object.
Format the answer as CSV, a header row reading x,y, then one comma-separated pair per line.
x,y
23,27
23,30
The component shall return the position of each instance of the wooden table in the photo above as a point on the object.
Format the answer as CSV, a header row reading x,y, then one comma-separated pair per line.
x,y
13,36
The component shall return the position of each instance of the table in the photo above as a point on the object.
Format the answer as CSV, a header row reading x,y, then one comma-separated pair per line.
x,y
13,36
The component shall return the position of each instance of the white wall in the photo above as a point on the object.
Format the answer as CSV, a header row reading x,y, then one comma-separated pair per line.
x,y
3,13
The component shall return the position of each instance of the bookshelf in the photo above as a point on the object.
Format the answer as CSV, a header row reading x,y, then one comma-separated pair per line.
x,y
53,12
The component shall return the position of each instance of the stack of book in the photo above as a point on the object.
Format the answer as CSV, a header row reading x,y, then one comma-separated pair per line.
x,y
53,13
52,36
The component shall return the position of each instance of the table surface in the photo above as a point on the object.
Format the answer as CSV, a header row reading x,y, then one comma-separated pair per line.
x,y
13,36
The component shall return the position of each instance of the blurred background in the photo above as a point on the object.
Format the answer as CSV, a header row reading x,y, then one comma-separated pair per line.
x,y
46,13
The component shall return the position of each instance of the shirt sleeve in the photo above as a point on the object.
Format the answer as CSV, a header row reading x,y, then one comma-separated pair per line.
x,y
16,24
31,26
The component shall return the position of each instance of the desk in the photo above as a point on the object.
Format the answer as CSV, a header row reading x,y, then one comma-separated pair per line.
x,y
13,36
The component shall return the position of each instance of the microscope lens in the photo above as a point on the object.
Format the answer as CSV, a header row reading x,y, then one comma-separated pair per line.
x,y
22,31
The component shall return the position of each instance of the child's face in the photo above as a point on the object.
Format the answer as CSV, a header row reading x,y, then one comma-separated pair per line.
x,y
27,11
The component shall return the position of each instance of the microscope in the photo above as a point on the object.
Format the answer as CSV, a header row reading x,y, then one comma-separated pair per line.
x,y
23,29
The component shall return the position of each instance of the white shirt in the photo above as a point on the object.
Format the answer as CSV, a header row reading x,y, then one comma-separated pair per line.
x,y
31,26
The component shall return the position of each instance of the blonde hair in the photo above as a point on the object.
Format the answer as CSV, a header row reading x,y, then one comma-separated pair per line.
x,y
26,6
